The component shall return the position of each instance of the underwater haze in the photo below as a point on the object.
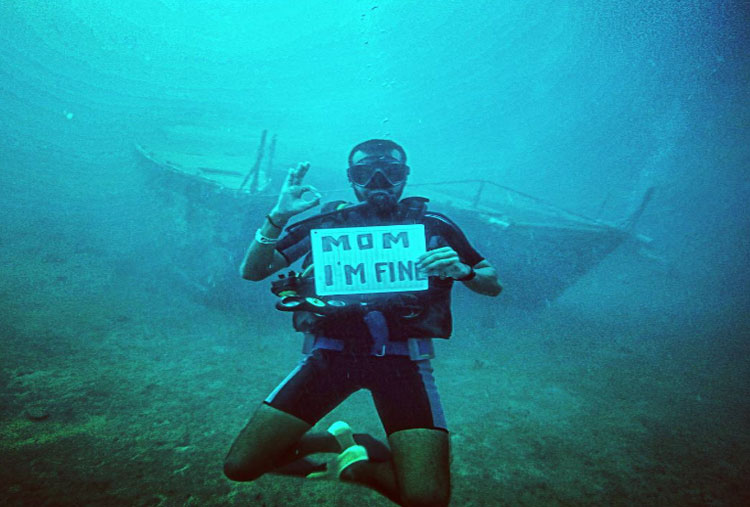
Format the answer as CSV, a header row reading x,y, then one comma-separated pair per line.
x,y
131,352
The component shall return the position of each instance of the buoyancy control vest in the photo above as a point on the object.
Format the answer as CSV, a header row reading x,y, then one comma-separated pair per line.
x,y
417,314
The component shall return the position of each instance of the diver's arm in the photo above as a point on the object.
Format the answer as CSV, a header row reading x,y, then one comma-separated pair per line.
x,y
485,280
262,259
445,262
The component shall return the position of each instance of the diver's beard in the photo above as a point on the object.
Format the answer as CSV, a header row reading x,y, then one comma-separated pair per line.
x,y
382,201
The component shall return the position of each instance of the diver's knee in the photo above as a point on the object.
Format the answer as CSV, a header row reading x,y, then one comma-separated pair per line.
x,y
240,472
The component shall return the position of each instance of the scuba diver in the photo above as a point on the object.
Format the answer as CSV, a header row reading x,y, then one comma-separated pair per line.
x,y
380,342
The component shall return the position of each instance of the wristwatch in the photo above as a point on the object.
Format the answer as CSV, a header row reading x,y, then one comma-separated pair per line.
x,y
470,276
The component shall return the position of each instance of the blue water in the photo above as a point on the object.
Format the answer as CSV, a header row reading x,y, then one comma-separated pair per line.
x,y
585,105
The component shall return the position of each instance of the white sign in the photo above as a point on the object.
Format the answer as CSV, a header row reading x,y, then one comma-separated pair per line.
x,y
368,260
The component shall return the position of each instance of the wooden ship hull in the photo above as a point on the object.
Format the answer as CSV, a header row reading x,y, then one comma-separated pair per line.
x,y
539,249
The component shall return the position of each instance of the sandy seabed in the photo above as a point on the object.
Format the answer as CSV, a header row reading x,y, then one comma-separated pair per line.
x,y
122,391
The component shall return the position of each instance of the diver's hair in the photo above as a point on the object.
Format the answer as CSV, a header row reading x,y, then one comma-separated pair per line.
x,y
377,148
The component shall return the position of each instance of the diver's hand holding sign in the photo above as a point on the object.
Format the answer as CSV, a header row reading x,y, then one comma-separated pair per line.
x,y
443,262
291,198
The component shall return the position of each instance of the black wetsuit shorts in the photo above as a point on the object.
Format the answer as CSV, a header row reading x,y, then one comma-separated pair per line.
x,y
403,390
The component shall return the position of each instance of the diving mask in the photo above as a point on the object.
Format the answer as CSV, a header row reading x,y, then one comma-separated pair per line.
x,y
362,173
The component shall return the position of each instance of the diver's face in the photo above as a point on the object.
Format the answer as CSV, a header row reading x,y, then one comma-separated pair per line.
x,y
378,180
380,192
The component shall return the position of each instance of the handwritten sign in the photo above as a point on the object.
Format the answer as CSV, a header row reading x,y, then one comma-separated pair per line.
x,y
368,260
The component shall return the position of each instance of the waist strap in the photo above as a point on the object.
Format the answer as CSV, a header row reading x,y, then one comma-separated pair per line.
x,y
415,348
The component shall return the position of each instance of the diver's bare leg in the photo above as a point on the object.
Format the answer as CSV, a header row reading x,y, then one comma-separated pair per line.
x,y
293,462
419,473
267,438
276,442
